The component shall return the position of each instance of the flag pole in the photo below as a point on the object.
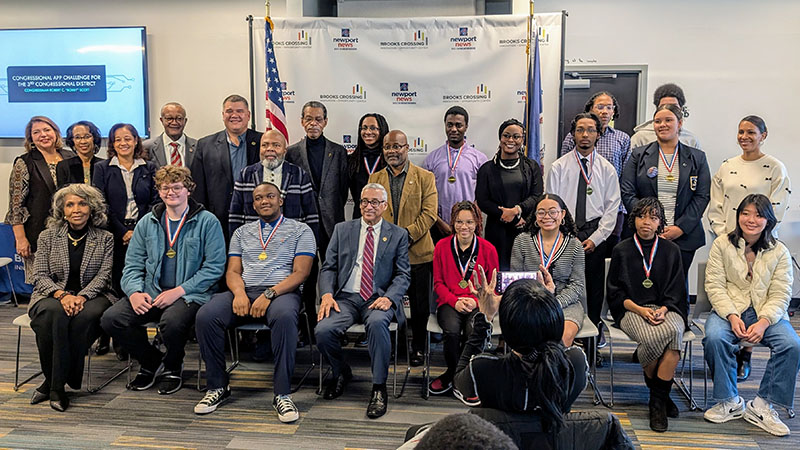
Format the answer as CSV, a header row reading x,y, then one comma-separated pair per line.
x,y
529,93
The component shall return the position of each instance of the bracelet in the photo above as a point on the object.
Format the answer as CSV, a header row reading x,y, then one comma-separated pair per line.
x,y
63,294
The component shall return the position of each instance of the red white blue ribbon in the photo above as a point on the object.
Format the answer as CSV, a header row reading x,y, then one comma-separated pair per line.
x,y
548,259
647,265
664,159
586,177
452,163
173,239
374,166
271,233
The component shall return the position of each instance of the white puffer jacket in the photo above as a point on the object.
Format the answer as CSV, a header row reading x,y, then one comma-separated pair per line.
x,y
729,291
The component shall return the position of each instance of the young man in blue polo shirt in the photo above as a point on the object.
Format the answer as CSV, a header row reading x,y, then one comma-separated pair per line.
x,y
268,261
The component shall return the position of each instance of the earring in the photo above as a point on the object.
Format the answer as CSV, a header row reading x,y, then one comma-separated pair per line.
x,y
563,222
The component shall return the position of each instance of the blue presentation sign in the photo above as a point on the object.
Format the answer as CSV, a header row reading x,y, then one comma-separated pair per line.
x,y
52,84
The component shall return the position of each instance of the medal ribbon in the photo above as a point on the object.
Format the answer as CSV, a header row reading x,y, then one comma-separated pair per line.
x,y
173,239
465,268
452,163
664,160
271,233
546,261
647,266
587,178
374,166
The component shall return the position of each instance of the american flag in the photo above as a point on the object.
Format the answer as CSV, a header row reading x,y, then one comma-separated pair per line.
x,y
276,114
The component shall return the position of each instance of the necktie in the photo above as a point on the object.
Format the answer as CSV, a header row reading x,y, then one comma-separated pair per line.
x,y
175,157
580,204
366,266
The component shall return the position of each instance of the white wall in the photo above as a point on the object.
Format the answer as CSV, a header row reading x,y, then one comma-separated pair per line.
x,y
732,57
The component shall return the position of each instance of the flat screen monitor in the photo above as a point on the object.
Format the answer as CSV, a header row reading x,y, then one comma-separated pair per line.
x,y
72,74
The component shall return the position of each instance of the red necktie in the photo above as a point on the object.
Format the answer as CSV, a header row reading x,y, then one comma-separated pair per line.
x,y
366,266
175,158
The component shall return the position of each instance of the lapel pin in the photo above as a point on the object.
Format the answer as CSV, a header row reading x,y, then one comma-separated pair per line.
x,y
253,143
330,154
385,239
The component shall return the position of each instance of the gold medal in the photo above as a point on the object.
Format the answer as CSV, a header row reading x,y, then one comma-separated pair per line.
x,y
171,253
647,283
463,284
452,179
262,256
670,178
589,190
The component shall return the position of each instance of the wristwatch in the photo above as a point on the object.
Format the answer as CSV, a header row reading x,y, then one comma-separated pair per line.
x,y
270,294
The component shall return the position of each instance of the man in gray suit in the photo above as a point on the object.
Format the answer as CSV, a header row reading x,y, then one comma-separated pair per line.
x,y
172,146
220,158
364,277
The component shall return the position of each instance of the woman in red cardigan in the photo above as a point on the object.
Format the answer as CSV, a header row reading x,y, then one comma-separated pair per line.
x,y
454,259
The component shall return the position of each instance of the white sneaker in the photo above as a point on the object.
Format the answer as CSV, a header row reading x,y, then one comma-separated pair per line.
x,y
212,399
725,411
287,411
765,418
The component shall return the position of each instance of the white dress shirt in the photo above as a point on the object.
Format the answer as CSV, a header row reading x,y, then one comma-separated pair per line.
x,y
353,285
563,179
131,210
166,140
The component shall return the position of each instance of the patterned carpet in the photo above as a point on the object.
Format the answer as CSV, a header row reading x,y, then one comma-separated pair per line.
x,y
118,418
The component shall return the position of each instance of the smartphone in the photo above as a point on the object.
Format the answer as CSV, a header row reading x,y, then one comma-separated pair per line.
x,y
506,278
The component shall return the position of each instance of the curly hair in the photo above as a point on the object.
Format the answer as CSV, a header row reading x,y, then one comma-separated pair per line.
x,y
92,196
476,215
29,145
567,225
647,206
669,90
138,151
174,174
93,130
590,103
586,115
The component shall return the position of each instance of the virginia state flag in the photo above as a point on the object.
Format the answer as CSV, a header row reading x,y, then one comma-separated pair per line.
x,y
533,119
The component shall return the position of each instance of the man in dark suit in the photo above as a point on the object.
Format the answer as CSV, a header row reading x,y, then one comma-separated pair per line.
x,y
326,162
220,157
172,146
364,277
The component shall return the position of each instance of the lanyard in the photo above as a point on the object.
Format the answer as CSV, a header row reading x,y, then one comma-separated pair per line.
x,y
586,177
374,166
548,259
647,265
271,233
451,162
664,159
173,239
466,270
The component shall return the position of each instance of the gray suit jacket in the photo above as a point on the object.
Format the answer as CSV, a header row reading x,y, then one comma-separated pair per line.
x,y
155,150
51,265
391,272
332,194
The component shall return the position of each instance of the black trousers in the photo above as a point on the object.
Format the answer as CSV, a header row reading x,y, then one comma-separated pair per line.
x,y
63,340
419,296
456,327
687,256
174,323
595,281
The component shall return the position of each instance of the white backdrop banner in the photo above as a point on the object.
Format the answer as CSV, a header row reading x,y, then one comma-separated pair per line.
x,y
411,71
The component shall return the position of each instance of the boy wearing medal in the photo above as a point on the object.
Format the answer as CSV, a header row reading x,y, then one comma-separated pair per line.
x,y
268,261
593,205
174,259
647,298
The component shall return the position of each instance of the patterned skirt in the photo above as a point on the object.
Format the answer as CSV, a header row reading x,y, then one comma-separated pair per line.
x,y
653,340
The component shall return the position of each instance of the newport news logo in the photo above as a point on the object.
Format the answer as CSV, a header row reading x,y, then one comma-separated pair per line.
x,y
522,96
481,93
357,94
302,39
404,96
418,40
345,42
463,41
347,142
417,145
288,95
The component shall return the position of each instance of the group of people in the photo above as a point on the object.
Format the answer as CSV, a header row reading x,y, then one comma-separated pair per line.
x,y
170,208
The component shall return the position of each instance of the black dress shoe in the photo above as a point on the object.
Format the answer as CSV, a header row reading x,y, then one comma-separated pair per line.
x,y
377,404
39,397
170,382
335,386
59,401
417,358
742,365
145,379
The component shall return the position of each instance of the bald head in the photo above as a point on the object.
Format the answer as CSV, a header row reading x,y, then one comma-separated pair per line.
x,y
395,149
173,118
273,148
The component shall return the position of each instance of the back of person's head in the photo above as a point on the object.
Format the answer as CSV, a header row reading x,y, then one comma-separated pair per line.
x,y
533,324
465,432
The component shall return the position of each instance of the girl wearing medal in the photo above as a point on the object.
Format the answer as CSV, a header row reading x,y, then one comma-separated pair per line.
x,y
367,156
550,246
647,297
678,176
454,260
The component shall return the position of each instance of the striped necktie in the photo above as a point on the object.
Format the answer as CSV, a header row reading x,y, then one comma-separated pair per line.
x,y
175,157
366,266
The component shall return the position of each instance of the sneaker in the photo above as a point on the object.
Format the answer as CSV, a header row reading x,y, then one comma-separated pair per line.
x,y
440,386
725,411
469,401
212,399
287,411
145,379
765,418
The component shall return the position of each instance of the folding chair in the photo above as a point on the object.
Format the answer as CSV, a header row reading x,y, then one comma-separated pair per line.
x,y
154,325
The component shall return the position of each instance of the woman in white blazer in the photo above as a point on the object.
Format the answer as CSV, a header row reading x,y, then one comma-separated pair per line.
x,y
749,281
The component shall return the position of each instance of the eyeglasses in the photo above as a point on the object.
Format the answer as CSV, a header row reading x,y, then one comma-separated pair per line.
x,y
552,212
515,137
178,119
469,223
394,147
602,107
85,137
175,189
585,131
370,128
373,203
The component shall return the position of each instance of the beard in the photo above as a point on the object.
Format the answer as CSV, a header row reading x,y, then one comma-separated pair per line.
x,y
272,164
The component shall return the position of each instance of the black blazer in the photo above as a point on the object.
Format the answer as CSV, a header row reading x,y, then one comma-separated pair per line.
x,y
70,171
109,180
694,187
489,192
211,171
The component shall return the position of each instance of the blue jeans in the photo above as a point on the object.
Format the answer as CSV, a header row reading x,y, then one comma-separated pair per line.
x,y
780,375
